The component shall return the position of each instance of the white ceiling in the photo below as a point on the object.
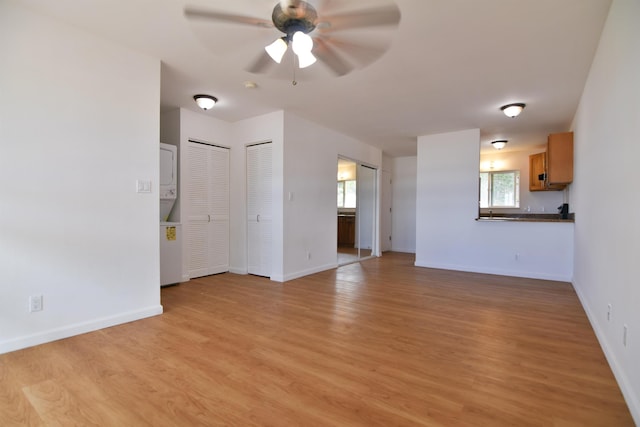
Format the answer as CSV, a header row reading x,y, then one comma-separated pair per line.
x,y
450,64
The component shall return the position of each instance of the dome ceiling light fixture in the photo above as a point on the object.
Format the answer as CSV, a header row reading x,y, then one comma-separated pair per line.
x,y
205,102
512,110
499,144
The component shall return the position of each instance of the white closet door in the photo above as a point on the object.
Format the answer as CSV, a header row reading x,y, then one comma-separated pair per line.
x,y
219,211
197,226
207,227
259,209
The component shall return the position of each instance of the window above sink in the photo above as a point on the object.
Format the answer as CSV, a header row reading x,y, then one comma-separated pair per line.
x,y
500,189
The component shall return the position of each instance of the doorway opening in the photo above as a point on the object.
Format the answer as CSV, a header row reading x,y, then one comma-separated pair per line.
x,y
356,211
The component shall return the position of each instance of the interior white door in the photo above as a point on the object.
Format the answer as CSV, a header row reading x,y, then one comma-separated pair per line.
x,y
207,198
259,209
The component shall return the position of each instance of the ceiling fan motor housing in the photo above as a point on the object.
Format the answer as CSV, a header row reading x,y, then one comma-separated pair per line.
x,y
297,16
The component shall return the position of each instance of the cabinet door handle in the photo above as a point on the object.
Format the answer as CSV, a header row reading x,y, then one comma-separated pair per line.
x,y
209,220
258,218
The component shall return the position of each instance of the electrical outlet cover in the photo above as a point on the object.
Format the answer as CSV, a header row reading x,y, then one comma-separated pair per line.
x,y
35,303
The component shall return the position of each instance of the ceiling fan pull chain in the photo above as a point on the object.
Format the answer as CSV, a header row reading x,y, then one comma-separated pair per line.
x,y
294,82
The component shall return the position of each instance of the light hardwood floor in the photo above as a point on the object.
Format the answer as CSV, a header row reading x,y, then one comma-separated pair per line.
x,y
380,343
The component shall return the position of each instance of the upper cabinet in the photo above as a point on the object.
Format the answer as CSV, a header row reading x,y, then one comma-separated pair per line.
x,y
560,158
552,170
537,167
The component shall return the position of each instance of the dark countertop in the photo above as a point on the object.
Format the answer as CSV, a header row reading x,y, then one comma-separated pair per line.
x,y
525,217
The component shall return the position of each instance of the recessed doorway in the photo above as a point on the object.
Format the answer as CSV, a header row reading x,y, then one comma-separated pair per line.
x,y
356,211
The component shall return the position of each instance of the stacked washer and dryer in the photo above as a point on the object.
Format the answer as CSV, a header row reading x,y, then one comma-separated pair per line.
x,y
170,232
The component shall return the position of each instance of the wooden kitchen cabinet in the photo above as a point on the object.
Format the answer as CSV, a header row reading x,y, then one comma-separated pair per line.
x,y
560,158
537,169
553,169
346,230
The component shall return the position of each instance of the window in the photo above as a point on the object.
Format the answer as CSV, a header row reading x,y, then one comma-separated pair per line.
x,y
347,194
500,189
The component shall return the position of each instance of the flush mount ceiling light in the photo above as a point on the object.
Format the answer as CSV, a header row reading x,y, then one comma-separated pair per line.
x,y
499,144
512,110
205,101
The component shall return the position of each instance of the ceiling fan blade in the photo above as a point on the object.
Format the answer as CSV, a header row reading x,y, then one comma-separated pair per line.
x,y
360,53
322,6
382,16
212,15
262,63
330,57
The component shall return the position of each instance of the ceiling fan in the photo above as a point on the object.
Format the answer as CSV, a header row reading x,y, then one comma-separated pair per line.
x,y
311,35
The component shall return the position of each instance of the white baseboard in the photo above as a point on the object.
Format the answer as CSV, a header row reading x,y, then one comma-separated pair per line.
x,y
77,329
309,271
623,382
496,271
404,250
236,270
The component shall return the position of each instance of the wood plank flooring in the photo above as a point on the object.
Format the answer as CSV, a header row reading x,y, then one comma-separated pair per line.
x,y
380,343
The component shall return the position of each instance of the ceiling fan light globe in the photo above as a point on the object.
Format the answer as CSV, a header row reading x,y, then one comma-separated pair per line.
x,y
301,43
277,49
306,59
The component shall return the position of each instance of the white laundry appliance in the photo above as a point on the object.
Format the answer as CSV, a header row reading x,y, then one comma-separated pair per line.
x,y
170,253
168,179
170,232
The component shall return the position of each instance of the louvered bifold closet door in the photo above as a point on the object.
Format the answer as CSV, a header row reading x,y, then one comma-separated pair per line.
x,y
207,228
219,211
259,209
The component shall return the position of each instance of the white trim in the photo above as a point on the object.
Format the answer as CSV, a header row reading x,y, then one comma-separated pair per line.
x,y
77,329
303,273
211,144
406,250
633,403
496,271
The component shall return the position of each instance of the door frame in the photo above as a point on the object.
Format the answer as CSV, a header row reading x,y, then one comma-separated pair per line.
x,y
375,246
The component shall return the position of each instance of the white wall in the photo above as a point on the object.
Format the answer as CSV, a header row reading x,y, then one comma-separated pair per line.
x,y
79,125
170,127
311,166
403,229
607,232
305,157
449,237
536,201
